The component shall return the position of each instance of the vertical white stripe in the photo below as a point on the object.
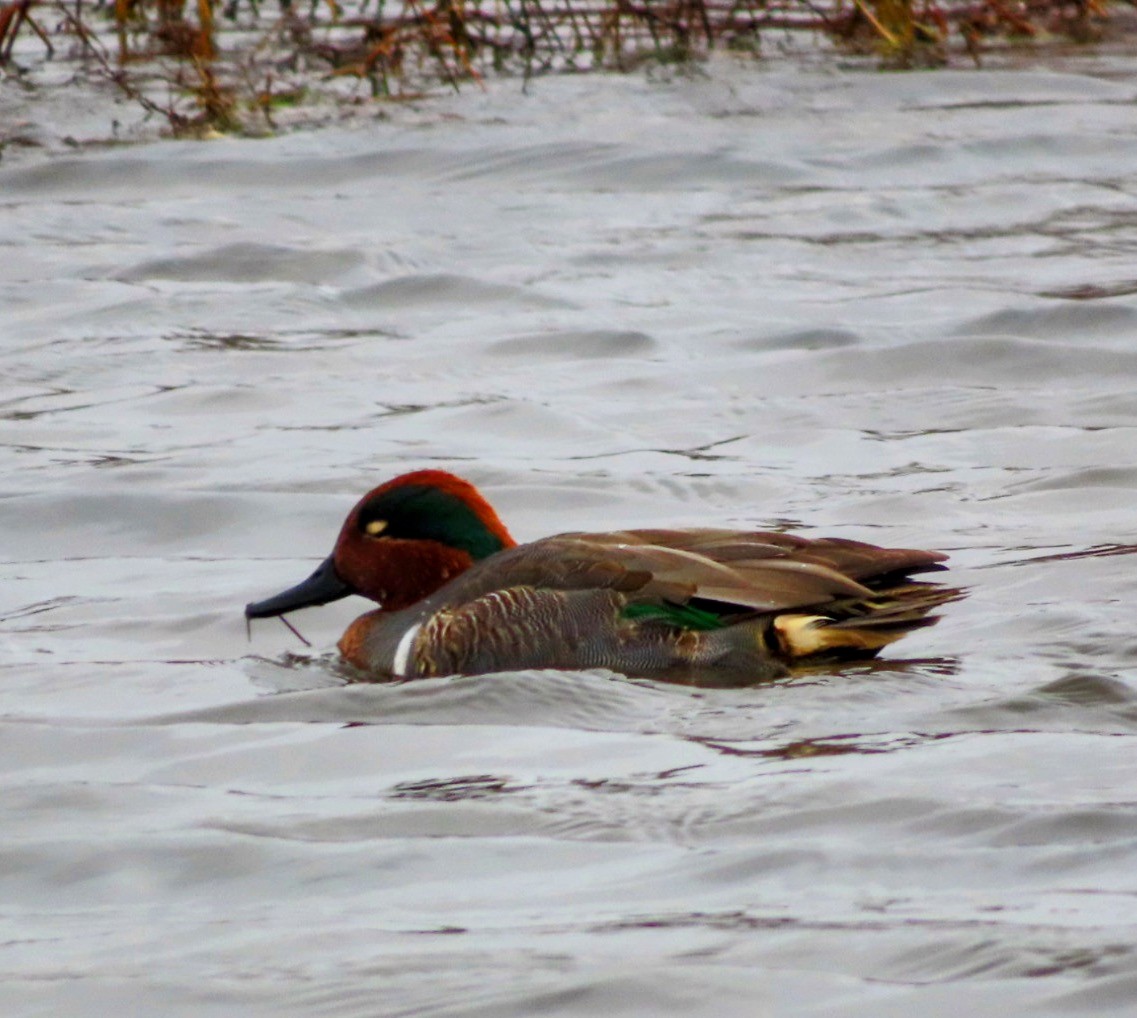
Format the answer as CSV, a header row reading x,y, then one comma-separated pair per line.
x,y
403,651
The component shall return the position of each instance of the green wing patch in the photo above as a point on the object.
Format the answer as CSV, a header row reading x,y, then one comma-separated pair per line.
x,y
682,615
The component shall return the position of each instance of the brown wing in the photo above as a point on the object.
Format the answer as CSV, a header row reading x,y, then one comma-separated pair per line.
x,y
855,559
753,571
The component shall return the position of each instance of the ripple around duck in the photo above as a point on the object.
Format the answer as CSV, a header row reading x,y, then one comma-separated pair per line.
x,y
584,700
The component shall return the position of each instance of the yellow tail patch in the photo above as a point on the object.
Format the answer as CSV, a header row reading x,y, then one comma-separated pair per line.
x,y
804,635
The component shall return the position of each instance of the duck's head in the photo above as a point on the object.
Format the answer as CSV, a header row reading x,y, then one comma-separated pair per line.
x,y
401,542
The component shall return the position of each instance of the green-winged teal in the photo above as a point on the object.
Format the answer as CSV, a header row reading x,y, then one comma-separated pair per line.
x,y
458,595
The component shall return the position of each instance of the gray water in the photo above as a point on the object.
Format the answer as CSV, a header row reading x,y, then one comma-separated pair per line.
x,y
900,308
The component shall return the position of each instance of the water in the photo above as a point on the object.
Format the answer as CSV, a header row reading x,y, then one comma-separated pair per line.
x,y
893,307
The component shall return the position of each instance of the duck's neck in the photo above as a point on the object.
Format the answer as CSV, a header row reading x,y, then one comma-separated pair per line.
x,y
404,572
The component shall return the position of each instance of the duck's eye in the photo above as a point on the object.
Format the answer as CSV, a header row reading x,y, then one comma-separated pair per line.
x,y
376,527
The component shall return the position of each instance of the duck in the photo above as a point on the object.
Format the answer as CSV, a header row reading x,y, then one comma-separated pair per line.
x,y
457,595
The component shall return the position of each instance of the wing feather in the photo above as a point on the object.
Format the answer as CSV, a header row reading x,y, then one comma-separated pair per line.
x,y
757,571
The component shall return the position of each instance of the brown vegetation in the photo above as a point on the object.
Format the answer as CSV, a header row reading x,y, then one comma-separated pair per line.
x,y
204,65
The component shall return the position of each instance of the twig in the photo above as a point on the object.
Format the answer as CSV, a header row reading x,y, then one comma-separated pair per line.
x,y
872,19
295,631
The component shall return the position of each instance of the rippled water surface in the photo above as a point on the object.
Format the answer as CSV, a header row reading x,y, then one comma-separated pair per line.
x,y
897,308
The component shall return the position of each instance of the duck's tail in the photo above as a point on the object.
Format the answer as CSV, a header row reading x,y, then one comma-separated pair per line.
x,y
858,627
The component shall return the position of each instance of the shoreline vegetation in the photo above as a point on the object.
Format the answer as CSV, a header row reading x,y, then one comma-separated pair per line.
x,y
235,66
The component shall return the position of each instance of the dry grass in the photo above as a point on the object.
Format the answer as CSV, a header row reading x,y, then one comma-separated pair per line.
x,y
208,66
